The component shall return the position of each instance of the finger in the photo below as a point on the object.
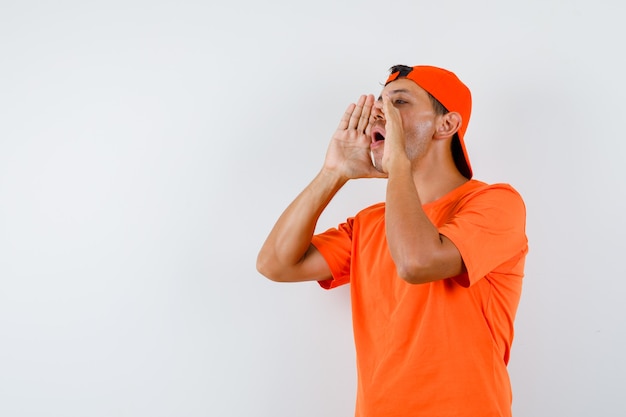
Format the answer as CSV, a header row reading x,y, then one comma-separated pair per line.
x,y
391,112
393,123
356,113
345,119
365,114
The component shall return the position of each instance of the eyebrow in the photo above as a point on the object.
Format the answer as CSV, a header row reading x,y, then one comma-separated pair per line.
x,y
399,90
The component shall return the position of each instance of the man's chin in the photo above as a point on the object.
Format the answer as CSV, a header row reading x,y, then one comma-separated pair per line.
x,y
377,161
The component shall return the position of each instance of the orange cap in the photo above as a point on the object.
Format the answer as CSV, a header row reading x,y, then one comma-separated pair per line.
x,y
446,87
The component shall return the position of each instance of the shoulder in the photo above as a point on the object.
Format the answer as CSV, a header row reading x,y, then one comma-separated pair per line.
x,y
489,205
491,194
373,211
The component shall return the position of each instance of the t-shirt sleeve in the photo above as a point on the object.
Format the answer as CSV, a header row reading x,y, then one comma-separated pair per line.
x,y
488,229
335,245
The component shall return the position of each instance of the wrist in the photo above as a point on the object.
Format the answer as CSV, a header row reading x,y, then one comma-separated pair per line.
x,y
397,165
331,178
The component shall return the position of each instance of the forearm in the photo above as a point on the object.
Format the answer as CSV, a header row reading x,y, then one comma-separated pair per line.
x,y
290,239
414,242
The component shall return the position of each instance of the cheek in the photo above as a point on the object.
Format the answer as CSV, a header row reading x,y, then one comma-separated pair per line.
x,y
418,138
421,129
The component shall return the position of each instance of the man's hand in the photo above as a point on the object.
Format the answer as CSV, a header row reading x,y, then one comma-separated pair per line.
x,y
395,143
348,154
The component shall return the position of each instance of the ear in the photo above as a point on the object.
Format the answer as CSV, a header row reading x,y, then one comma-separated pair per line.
x,y
448,125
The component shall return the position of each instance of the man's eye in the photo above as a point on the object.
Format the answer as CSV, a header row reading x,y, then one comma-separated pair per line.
x,y
399,101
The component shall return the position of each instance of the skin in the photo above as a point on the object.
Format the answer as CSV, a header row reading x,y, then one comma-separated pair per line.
x,y
415,158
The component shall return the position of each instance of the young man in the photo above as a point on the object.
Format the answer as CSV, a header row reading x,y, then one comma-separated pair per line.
x,y
435,271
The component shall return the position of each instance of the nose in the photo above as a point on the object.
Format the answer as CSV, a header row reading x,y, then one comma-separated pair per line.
x,y
377,111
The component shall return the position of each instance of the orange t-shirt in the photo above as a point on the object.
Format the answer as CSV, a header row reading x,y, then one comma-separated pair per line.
x,y
441,348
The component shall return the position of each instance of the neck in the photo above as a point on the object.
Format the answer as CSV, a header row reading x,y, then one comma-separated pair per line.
x,y
436,179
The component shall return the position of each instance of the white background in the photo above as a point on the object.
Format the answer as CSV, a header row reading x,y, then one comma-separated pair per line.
x,y
147,147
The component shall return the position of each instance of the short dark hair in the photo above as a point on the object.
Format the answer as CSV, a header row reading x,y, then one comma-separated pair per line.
x,y
402,69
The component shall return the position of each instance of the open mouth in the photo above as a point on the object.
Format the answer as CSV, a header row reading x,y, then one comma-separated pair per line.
x,y
377,134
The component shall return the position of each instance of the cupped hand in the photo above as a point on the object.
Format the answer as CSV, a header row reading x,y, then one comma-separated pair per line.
x,y
348,154
395,144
